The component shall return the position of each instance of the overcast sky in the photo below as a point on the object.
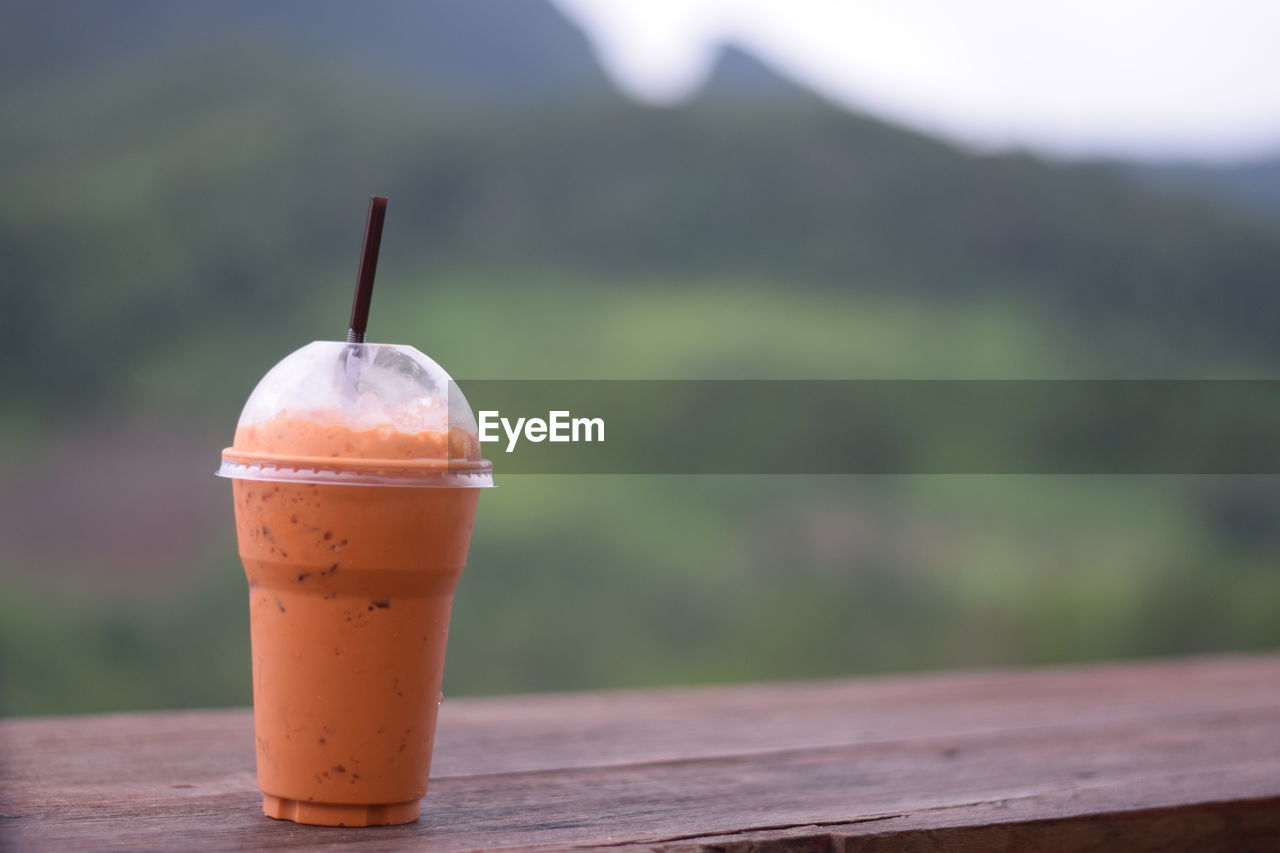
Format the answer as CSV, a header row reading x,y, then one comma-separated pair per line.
x,y
1149,78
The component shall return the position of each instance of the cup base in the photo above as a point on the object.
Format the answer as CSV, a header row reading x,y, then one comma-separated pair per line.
x,y
338,814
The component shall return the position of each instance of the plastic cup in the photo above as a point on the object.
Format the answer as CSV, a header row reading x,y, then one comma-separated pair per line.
x,y
356,471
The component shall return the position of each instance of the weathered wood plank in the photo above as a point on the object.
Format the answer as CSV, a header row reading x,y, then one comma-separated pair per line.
x,y
1119,753
1111,816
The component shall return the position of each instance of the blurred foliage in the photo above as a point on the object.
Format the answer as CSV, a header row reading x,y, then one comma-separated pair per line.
x,y
172,226
159,206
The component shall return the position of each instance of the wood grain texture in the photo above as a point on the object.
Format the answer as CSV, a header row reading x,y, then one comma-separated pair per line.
x,y
1154,756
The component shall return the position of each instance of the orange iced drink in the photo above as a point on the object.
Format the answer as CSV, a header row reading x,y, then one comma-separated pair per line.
x,y
352,540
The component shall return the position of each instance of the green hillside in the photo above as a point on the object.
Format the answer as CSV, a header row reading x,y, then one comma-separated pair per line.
x,y
1253,187
174,221
226,193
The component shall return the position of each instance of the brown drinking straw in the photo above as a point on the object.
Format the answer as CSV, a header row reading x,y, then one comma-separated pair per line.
x,y
368,268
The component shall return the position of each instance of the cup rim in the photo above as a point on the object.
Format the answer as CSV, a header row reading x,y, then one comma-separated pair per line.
x,y
454,473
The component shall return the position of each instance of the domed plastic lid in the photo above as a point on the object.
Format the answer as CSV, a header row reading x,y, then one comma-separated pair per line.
x,y
359,414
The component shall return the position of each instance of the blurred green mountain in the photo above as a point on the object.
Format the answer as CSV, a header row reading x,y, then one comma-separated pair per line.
x,y
1252,186
493,52
156,199
184,191
465,50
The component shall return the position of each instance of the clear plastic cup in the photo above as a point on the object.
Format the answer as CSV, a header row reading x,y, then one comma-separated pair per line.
x,y
356,471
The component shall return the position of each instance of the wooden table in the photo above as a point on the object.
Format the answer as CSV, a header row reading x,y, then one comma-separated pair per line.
x,y
1154,756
